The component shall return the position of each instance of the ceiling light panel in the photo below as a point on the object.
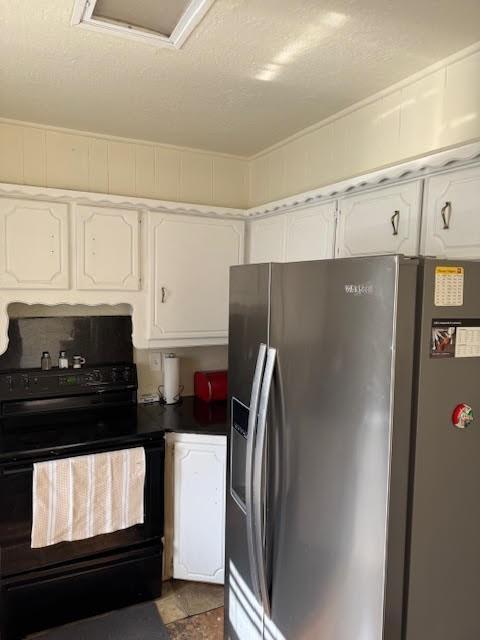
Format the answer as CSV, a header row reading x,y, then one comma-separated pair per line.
x,y
159,22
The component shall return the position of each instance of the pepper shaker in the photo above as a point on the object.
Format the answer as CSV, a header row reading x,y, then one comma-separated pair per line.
x,y
46,361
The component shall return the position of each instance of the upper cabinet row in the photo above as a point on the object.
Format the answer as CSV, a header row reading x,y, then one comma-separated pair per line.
x,y
172,268
35,246
444,222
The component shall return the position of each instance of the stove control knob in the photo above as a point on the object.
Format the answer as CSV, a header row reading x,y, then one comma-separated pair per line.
x,y
97,376
26,382
9,382
127,374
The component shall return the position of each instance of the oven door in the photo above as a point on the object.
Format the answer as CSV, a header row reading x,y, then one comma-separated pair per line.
x,y
16,554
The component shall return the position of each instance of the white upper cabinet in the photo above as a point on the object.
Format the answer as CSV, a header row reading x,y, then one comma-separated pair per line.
x,y
451,218
267,239
33,244
190,257
310,233
107,248
381,221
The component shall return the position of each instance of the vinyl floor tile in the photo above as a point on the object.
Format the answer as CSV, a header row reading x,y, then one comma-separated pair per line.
x,y
204,626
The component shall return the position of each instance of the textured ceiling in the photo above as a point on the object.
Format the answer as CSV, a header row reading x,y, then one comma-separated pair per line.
x,y
252,73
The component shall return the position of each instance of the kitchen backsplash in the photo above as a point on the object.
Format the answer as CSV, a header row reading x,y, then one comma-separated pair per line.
x,y
191,358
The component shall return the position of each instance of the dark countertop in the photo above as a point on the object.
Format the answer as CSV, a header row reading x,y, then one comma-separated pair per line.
x,y
189,416
75,433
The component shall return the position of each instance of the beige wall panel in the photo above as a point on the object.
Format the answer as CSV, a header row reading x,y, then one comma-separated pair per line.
x,y
11,153
121,168
259,187
98,165
145,171
323,156
67,160
230,182
297,168
432,112
167,173
196,177
462,101
34,157
421,115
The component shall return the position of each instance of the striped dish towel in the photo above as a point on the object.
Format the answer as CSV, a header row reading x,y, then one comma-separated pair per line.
x,y
85,496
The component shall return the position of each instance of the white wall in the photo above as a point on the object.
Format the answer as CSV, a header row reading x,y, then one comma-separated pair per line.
x,y
191,359
53,157
435,109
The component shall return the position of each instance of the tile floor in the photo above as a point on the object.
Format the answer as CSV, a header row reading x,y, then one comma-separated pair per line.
x,y
192,610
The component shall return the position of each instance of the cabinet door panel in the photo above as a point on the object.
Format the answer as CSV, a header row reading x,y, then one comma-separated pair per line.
x,y
107,254
310,233
267,240
190,258
452,200
33,244
382,221
199,509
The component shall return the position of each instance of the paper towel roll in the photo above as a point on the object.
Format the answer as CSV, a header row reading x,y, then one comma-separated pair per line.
x,y
171,378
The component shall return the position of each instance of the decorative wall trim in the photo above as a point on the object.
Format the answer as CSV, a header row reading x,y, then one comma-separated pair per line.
x,y
420,167
125,202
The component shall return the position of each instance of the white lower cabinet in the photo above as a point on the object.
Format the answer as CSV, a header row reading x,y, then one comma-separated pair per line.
x,y
34,244
451,216
198,491
190,258
381,221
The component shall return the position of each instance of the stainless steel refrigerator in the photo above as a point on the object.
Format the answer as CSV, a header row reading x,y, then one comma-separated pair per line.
x,y
353,498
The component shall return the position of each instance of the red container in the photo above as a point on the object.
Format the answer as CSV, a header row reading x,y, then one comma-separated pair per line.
x,y
211,386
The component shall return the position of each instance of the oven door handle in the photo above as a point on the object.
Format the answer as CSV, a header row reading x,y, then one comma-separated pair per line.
x,y
15,471
12,469
250,456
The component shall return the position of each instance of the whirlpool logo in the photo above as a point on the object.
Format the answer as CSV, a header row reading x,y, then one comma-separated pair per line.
x,y
365,289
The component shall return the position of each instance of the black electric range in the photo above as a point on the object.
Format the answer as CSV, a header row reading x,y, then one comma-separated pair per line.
x,y
47,415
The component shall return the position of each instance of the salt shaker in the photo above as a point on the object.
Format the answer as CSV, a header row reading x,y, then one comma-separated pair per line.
x,y
62,360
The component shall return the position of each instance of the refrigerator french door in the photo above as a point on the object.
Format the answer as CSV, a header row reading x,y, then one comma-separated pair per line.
x,y
321,362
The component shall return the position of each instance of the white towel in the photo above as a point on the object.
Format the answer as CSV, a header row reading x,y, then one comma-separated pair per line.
x,y
81,497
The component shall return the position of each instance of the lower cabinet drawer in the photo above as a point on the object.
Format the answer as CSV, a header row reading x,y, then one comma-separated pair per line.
x,y
55,597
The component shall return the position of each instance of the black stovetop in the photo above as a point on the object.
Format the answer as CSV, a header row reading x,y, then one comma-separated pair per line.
x,y
72,433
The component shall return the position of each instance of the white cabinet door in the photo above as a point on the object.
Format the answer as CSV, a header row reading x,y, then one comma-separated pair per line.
x,y
267,239
107,248
190,259
451,219
382,221
199,507
33,244
310,233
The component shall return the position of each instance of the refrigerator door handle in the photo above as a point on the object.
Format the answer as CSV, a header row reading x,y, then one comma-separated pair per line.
x,y
251,440
259,488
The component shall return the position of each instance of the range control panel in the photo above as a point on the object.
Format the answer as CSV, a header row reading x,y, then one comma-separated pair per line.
x,y
35,383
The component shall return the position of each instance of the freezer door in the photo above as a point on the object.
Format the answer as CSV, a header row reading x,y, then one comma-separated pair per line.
x,y
248,337
444,572
334,325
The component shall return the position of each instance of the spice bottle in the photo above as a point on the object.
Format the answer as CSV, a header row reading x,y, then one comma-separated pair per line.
x,y
46,361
